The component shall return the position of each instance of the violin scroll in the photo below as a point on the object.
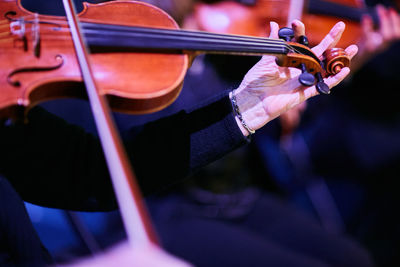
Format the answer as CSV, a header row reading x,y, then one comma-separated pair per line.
x,y
336,59
312,68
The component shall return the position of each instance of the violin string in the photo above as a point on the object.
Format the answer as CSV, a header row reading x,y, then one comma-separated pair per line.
x,y
224,37
202,36
61,21
259,41
148,29
174,32
207,35
186,33
171,33
199,36
50,36
192,41
181,32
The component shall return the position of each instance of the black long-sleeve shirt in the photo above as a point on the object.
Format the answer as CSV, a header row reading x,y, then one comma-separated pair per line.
x,y
55,164
52,163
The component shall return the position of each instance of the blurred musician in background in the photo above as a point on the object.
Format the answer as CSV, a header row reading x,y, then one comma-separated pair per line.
x,y
339,159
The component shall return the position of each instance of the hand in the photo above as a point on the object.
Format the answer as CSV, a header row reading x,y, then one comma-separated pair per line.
x,y
268,90
374,41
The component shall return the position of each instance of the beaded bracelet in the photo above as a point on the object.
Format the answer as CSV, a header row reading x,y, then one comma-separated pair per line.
x,y
239,115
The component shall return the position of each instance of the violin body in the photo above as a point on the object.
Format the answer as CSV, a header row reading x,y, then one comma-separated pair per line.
x,y
40,64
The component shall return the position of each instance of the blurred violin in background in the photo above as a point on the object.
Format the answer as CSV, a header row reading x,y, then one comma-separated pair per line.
x,y
250,17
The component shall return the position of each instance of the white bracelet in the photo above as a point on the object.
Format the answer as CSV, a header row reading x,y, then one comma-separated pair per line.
x,y
239,115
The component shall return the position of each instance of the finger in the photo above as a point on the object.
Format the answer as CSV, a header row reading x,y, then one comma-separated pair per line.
x,y
330,39
384,22
395,22
290,120
351,51
274,30
302,106
367,25
331,81
298,28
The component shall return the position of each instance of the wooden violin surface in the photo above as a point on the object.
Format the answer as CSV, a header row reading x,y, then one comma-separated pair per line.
x,y
38,61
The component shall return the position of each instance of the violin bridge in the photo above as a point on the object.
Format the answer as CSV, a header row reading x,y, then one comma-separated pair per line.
x,y
18,28
36,36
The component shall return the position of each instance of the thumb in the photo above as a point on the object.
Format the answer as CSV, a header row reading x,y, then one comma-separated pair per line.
x,y
274,30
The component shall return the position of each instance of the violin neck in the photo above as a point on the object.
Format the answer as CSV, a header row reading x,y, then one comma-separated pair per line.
x,y
340,11
127,38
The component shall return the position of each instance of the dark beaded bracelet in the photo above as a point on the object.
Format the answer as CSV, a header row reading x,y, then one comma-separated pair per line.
x,y
239,115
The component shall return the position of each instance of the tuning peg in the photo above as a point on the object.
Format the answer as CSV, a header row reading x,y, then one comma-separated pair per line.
x,y
303,40
286,33
321,86
306,78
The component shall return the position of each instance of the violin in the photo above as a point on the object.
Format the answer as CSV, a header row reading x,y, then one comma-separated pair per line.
x,y
139,55
321,14
137,61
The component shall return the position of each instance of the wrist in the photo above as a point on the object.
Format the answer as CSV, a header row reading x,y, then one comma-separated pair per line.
x,y
249,113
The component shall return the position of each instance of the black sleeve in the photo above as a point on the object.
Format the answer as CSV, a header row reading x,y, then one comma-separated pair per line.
x,y
52,163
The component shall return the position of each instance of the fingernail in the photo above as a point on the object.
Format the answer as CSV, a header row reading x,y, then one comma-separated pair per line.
x,y
340,25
